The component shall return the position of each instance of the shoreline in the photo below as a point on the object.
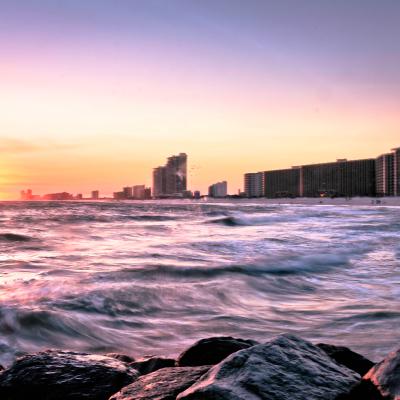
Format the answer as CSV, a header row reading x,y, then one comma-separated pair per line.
x,y
390,201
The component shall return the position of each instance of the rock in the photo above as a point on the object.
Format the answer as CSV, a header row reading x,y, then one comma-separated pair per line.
x,y
385,376
348,358
365,390
164,384
212,350
284,368
121,357
60,375
150,364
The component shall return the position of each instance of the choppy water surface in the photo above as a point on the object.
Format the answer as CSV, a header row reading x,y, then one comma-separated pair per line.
x,y
152,277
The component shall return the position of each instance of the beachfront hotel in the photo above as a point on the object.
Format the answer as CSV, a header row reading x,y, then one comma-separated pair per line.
x,y
170,180
344,178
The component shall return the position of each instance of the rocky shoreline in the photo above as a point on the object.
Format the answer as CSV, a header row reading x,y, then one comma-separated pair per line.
x,y
219,368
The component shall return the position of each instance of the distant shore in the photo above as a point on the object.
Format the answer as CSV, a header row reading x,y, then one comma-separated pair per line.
x,y
350,201
353,201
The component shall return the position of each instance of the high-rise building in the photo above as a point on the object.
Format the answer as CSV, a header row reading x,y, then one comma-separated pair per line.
x,y
384,175
341,178
159,181
282,183
253,184
219,189
95,195
396,169
176,174
171,179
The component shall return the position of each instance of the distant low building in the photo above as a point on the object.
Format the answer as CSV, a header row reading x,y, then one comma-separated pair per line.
x,y
58,196
139,192
119,195
128,192
219,189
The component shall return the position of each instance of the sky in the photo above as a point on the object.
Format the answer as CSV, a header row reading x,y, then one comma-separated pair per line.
x,y
96,93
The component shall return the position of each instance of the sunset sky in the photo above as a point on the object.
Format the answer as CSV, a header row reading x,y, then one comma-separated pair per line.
x,y
95,93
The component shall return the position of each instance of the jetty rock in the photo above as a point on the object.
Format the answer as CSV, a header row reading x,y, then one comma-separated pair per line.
x,y
147,365
348,358
285,368
164,384
385,377
212,350
61,375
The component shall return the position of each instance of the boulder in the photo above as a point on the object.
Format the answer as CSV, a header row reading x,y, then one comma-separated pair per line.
x,y
284,368
348,358
212,350
60,375
121,357
164,384
385,376
365,390
150,364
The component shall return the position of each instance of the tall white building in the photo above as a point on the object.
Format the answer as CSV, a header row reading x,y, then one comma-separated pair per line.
x,y
219,189
253,184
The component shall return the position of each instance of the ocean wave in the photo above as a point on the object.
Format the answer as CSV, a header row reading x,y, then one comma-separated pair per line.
x,y
318,263
14,237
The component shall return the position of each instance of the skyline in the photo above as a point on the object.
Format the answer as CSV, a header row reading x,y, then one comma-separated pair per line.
x,y
95,95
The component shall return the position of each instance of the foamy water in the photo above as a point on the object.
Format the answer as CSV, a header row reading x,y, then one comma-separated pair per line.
x,y
152,277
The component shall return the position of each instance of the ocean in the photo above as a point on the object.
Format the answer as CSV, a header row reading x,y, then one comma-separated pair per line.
x,y
152,277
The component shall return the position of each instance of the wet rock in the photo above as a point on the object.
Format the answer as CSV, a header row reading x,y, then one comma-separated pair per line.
x,y
365,390
164,384
348,358
385,376
59,375
212,350
121,357
150,364
284,368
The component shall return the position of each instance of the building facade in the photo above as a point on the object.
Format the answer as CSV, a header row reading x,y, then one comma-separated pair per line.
x,y
384,175
396,169
254,184
219,189
159,181
139,192
282,183
341,178
171,179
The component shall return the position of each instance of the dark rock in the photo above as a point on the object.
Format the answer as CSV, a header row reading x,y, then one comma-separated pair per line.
x,y
164,384
212,350
385,376
150,364
365,390
59,375
348,358
121,357
284,368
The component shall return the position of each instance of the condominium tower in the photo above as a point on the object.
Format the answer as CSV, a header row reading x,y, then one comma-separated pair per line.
x,y
171,179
